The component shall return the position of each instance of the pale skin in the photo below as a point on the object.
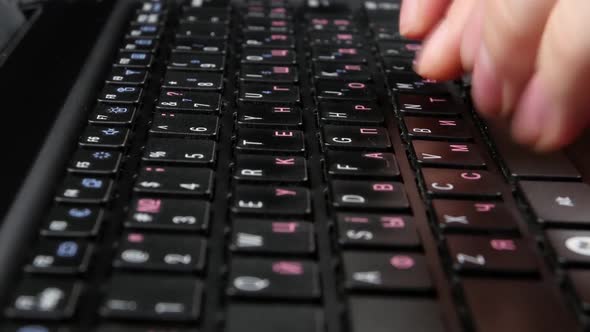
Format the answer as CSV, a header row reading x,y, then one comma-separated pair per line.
x,y
530,60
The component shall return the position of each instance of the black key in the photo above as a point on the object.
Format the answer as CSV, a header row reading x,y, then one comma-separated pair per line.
x,y
266,200
187,125
377,230
168,214
177,150
24,327
428,105
95,162
79,189
147,18
270,141
410,83
268,56
153,7
153,298
473,216
268,74
268,40
369,195
142,328
558,203
397,65
579,281
399,49
339,54
342,71
349,137
175,181
202,30
516,305
127,76
384,314
196,61
193,80
264,25
79,221
332,24
386,271
351,113
338,39
113,93
134,60
267,278
104,137
268,13
272,237
207,4
430,153
209,15
570,247
44,299
180,100
461,183
140,44
158,252
491,255
60,257
276,116
200,45
337,90
113,115
270,168
269,93
145,31
362,164
437,128
272,318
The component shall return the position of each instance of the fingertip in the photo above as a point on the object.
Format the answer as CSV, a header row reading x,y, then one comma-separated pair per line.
x,y
408,17
486,86
436,60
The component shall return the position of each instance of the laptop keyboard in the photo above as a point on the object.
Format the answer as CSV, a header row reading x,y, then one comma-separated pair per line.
x,y
263,167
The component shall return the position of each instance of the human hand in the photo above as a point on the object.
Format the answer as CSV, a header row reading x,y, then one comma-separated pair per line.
x,y
530,60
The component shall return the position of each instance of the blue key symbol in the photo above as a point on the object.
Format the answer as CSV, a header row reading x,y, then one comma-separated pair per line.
x,y
79,213
143,42
67,249
117,110
32,328
126,89
102,155
92,183
138,56
110,131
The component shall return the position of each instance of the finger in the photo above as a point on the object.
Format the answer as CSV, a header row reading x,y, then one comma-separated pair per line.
x,y
418,17
472,35
512,32
554,109
440,57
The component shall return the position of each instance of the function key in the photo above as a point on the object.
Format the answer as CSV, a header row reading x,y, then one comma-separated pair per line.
x,y
268,40
268,56
79,189
349,137
140,44
270,141
491,255
208,15
272,318
362,164
113,115
347,113
377,230
339,54
269,74
558,203
266,278
270,168
196,61
264,200
202,30
461,183
193,80
157,252
104,137
153,298
44,299
342,71
428,105
177,150
278,237
145,30
60,257
448,154
185,125
175,181
73,221
112,93
369,195
386,272
398,49
95,162
570,247
127,76
189,101
410,83
276,116
338,39
437,128
473,216
200,45
337,90
134,60
269,93
168,214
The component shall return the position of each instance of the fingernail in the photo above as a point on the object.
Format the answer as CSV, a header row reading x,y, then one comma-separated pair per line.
x,y
433,46
532,113
408,16
486,90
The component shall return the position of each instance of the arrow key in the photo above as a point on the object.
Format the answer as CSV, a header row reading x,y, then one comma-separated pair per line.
x,y
175,181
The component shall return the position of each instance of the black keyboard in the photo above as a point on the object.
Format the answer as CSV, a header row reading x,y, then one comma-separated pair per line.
x,y
264,167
